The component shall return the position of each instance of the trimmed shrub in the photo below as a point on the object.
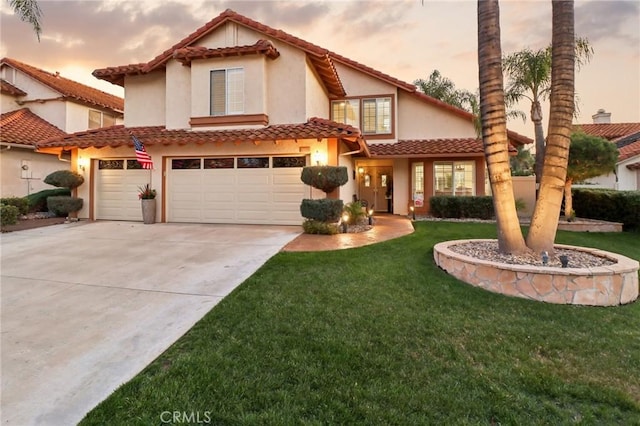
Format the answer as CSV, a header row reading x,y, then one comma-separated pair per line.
x,y
62,206
355,211
324,210
448,206
325,178
311,226
64,179
20,202
8,214
609,205
38,200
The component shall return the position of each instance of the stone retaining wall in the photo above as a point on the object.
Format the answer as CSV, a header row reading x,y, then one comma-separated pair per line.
x,y
599,286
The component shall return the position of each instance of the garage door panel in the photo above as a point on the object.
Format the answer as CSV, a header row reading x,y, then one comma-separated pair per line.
x,y
117,193
252,196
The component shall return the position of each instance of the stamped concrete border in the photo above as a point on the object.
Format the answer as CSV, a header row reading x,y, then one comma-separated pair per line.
x,y
598,286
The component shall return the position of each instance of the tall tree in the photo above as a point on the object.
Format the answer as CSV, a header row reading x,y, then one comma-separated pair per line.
x,y
494,127
28,11
442,88
544,223
589,156
529,77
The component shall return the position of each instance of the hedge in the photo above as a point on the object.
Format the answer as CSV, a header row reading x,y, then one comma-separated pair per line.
x,y
311,226
448,206
8,214
20,202
609,205
325,178
38,200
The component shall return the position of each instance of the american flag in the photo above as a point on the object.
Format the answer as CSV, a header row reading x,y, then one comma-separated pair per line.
x,y
141,154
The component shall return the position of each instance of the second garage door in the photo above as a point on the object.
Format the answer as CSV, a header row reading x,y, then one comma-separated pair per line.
x,y
251,190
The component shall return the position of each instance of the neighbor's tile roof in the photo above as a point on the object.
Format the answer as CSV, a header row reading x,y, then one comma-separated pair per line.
x,y
609,131
628,146
25,128
157,135
186,54
10,89
68,88
430,148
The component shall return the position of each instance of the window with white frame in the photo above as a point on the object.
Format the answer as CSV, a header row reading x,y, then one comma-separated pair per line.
x,y
454,178
99,119
417,184
371,115
227,91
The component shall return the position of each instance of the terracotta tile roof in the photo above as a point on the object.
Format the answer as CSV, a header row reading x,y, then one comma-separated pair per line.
x,y
68,88
25,128
629,150
157,135
609,131
10,89
186,54
430,148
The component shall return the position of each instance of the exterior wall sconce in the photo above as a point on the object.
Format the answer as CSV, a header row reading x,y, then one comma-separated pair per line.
x,y
320,158
360,170
82,163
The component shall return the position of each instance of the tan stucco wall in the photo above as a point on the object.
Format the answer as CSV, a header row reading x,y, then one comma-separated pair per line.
x,y
524,188
419,120
8,103
178,95
16,182
357,83
317,102
145,100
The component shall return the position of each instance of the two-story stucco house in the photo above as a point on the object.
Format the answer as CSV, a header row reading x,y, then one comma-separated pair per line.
x,y
38,105
231,114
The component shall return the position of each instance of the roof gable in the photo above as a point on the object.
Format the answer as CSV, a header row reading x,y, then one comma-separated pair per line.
x,y
9,89
25,128
68,88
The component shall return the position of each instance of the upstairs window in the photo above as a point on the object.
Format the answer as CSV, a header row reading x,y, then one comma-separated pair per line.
x,y
376,116
227,92
99,119
371,115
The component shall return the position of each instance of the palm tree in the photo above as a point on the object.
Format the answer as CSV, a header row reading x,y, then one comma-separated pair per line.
x,y
494,127
529,73
544,222
28,11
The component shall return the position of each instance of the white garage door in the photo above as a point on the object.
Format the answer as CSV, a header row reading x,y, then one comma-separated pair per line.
x,y
117,183
252,190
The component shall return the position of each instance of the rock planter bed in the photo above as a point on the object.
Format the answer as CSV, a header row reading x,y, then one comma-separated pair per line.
x,y
608,285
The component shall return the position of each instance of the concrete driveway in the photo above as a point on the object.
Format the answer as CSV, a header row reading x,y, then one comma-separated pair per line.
x,y
87,306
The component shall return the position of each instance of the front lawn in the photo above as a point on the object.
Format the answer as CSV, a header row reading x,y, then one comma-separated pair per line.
x,y
380,335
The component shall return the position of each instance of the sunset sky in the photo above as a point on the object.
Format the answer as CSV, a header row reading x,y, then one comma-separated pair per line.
x,y
406,39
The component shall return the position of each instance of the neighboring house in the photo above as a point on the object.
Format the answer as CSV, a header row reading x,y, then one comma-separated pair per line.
x,y
626,136
232,113
38,105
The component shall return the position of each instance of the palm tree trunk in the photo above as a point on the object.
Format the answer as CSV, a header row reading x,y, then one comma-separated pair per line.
x,y
568,199
494,127
536,118
544,223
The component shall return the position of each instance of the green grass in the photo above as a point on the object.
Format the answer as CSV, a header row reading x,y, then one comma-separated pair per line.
x,y
380,335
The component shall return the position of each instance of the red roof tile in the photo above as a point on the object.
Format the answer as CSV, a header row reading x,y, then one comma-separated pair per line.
x,y
430,148
609,131
629,150
68,88
157,135
25,128
10,89
187,54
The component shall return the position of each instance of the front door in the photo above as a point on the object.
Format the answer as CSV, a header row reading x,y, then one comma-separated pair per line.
x,y
375,186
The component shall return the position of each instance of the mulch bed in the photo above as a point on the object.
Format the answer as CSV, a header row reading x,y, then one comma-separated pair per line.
x,y
33,223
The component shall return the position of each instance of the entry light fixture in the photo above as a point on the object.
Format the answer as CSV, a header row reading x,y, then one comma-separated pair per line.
x,y
320,158
82,163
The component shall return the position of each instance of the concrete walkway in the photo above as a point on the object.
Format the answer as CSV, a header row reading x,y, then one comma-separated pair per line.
x,y
386,227
87,306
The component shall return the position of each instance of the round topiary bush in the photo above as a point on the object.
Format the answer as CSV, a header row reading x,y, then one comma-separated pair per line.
x,y
325,178
64,179
324,210
8,214
62,206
